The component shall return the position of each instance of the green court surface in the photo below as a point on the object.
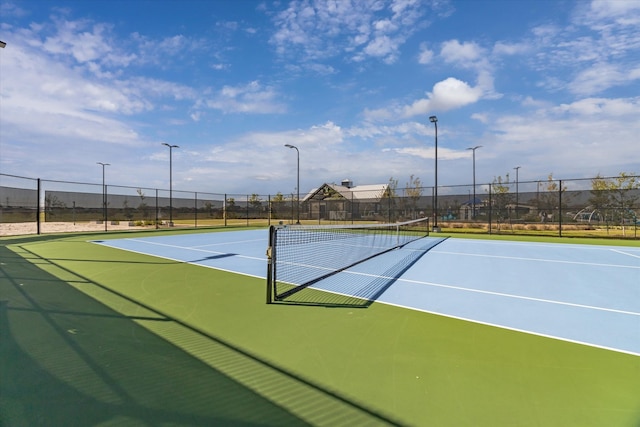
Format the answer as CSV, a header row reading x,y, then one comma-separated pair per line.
x,y
92,335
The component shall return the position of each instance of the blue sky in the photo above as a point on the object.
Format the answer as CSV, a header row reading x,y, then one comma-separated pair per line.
x,y
550,86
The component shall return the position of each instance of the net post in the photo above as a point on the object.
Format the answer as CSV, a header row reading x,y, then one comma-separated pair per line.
x,y
270,264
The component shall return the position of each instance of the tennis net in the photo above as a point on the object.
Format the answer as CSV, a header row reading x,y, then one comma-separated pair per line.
x,y
301,255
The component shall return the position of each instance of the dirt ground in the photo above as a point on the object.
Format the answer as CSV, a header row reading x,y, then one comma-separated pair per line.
x,y
22,228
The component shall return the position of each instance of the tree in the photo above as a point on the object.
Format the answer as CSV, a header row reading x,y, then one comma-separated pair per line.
x,y
414,192
230,207
143,207
51,203
208,207
616,197
127,210
277,205
549,198
255,202
388,199
500,196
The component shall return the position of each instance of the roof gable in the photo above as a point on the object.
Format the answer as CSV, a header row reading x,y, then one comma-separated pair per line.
x,y
359,192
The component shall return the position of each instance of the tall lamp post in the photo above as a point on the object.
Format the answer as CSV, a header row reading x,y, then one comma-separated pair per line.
x,y
171,147
434,120
298,183
473,202
104,195
517,168
2,45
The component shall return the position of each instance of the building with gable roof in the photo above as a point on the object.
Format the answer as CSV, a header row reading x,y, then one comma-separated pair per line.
x,y
345,201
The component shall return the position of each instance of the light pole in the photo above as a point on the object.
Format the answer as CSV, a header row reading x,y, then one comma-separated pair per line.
x,y
298,187
171,147
104,195
434,120
473,212
517,168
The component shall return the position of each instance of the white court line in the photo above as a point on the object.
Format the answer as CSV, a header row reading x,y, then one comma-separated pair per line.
x,y
537,259
229,243
510,328
183,261
556,245
189,248
501,294
625,253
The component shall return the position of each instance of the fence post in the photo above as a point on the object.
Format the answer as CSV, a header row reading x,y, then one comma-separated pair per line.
x,y
560,209
352,207
490,209
106,207
157,209
196,210
38,207
224,210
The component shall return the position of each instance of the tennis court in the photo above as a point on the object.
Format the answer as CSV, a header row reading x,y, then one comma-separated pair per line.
x,y
173,328
579,293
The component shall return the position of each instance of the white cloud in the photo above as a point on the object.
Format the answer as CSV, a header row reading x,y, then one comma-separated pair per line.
x,y
8,9
504,48
85,41
320,29
464,54
249,98
382,47
446,95
605,9
428,153
602,107
597,52
425,54
452,93
379,114
482,118
469,55
274,162
597,78
536,103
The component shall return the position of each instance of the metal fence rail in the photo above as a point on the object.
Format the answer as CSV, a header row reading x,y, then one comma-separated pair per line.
x,y
601,206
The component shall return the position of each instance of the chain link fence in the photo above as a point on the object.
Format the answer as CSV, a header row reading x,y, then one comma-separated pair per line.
x,y
595,207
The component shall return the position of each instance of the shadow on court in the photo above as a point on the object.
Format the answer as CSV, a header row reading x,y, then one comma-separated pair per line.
x,y
68,359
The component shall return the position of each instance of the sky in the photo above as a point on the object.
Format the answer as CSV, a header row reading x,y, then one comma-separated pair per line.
x,y
551,87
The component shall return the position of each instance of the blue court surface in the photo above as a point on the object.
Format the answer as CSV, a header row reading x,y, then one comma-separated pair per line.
x,y
579,293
